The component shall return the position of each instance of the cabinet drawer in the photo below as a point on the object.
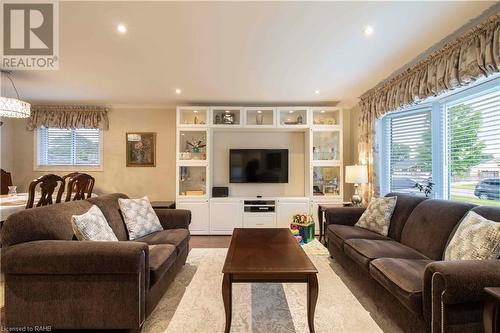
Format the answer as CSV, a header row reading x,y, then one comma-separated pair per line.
x,y
255,220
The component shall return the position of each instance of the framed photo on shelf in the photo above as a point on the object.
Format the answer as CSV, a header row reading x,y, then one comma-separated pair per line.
x,y
141,149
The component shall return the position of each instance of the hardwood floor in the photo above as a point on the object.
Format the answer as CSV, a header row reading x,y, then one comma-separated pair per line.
x,y
209,241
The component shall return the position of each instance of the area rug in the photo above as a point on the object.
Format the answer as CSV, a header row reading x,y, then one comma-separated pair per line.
x,y
194,304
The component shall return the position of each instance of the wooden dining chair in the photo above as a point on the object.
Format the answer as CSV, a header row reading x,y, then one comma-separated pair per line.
x,y
80,187
47,184
5,181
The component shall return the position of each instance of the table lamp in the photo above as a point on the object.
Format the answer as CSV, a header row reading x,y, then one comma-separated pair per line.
x,y
356,174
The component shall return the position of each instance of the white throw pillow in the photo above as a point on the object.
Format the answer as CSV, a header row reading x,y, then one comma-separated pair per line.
x,y
377,216
476,238
140,217
92,226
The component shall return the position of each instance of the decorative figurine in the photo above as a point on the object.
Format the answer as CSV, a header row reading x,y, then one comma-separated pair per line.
x,y
299,119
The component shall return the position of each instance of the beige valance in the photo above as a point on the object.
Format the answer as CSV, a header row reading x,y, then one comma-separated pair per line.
x,y
470,56
68,116
473,55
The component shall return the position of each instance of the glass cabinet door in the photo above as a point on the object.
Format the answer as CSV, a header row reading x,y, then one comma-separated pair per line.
x,y
326,181
226,116
292,117
192,145
192,181
325,117
326,145
192,116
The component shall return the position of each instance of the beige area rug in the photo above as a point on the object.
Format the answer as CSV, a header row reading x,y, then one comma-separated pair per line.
x,y
194,304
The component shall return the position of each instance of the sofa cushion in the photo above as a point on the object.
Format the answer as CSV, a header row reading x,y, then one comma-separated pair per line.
x,y
405,204
377,216
161,258
476,238
108,204
177,237
363,251
338,234
92,226
404,278
430,225
139,217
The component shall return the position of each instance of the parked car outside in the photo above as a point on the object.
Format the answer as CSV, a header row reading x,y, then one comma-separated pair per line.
x,y
488,188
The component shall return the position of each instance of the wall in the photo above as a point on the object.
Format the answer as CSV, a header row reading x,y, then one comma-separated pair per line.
x,y
158,183
293,141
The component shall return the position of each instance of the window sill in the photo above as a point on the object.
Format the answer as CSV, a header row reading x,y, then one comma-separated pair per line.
x,y
82,168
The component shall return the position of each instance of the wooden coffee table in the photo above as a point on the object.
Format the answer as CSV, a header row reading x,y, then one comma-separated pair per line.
x,y
267,255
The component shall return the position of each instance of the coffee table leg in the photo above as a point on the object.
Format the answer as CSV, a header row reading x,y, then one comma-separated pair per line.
x,y
227,298
312,297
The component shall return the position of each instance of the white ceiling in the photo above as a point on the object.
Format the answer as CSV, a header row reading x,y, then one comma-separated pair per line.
x,y
236,52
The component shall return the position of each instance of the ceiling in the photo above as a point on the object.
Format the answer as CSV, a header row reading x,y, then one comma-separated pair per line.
x,y
236,52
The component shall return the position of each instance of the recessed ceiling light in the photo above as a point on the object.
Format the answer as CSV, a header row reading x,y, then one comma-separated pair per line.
x,y
316,92
195,111
178,91
259,111
322,111
291,111
368,30
227,111
121,28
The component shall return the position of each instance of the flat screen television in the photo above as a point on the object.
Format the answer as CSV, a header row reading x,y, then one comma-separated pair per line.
x,y
258,165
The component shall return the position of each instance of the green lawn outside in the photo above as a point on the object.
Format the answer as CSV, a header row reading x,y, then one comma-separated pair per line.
x,y
464,186
476,201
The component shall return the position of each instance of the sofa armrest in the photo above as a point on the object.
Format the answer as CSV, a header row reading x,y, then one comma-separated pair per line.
x,y
51,257
455,282
174,218
343,215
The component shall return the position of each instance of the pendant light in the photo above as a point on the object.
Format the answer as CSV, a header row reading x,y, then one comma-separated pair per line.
x,y
13,107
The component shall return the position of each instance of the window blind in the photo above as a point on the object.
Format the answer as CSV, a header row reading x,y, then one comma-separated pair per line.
x,y
410,146
69,147
473,147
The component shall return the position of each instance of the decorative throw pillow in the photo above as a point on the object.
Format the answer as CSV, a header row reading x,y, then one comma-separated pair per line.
x,y
139,216
92,226
476,238
377,216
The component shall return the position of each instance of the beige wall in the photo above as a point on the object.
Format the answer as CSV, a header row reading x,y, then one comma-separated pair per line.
x,y
293,141
158,183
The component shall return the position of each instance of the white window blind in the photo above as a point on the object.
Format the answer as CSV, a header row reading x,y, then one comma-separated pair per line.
x,y
473,148
408,138
69,147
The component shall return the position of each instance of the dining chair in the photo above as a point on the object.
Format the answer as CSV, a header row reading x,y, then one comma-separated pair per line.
x,y
5,181
80,187
47,184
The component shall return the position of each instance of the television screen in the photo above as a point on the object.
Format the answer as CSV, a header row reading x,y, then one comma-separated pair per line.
x,y
258,165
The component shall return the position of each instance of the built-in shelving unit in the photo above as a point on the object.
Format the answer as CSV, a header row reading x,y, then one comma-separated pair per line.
x,y
322,127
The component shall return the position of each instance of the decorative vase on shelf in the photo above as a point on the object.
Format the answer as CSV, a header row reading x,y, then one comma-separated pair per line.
x,y
259,118
299,119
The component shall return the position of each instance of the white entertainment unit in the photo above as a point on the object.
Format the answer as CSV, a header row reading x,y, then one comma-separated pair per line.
x,y
322,155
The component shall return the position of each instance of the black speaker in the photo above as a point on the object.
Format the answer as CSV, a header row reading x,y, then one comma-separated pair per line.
x,y
220,192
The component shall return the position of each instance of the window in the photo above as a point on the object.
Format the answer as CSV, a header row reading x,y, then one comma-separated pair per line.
x,y
473,148
452,141
410,150
69,147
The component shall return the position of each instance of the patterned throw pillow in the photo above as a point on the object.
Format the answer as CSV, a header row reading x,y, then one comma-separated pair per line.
x,y
139,216
92,226
476,238
377,216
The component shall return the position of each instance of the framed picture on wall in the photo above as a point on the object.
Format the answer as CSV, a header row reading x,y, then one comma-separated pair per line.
x,y
141,149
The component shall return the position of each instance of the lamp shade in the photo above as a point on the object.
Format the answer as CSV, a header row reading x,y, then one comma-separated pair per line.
x,y
356,174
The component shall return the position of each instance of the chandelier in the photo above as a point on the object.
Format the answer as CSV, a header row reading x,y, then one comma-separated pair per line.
x,y
13,107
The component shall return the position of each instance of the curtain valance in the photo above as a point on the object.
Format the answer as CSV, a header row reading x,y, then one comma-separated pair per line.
x,y
68,116
472,55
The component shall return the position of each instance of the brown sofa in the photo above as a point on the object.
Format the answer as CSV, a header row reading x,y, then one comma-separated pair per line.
x,y
444,296
52,279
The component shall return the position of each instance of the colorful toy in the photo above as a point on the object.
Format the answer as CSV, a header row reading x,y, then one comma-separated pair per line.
x,y
302,228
